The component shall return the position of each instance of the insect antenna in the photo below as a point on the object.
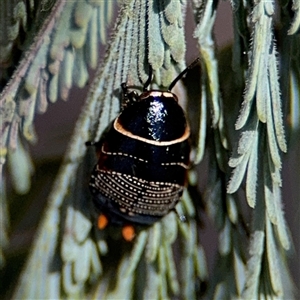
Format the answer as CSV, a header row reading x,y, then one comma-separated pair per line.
x,y
192,65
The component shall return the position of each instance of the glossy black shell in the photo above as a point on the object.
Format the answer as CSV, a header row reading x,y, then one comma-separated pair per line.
x,y
157,116
144,156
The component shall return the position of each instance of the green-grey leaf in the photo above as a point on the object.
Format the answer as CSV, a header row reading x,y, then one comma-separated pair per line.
x,y
238,174
21,168
296,22
273,256
252,173
254,265
137,251
225,238
276,102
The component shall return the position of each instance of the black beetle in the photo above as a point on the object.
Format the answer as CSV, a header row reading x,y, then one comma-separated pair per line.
x,y
143,158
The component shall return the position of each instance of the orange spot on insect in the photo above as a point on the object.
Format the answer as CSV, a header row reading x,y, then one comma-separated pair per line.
x,y
102,222
128,233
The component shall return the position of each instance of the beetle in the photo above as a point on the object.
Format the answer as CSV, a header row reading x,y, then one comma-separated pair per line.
x,y
143,159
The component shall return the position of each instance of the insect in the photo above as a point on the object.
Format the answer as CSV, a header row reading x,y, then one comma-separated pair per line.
x,y
143,159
